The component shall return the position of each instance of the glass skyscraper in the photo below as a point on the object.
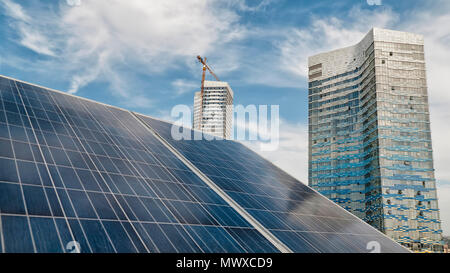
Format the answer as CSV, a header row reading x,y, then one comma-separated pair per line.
x,y
369,136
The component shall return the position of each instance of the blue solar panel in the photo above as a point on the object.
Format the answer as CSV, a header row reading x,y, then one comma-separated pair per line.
x,y
298,216
70,170
76,174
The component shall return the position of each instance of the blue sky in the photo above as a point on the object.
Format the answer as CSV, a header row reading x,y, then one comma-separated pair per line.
x,y
140,55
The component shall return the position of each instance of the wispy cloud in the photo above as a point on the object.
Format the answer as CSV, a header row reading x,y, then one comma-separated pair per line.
x,y
150,36
292,152
29,34
250,5
328,33
183,86
139,102
35,40
99,40
15,10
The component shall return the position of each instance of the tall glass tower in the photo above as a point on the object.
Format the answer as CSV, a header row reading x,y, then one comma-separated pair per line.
x,y
369,136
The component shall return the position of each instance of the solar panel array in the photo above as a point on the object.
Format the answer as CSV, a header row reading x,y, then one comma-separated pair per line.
x,y
77,172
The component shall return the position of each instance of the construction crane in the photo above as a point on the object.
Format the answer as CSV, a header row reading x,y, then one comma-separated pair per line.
x,y
205,66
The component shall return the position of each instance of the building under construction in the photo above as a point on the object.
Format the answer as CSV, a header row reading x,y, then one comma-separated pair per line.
x,y
213,106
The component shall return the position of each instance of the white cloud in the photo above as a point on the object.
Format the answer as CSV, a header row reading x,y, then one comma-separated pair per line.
x,y
35,40
183,86
29,35
326,34
15,10
100,39
150,36
292,152
250,6
139,102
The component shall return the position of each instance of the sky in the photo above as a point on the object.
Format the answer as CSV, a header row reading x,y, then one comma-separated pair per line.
x,y
141,55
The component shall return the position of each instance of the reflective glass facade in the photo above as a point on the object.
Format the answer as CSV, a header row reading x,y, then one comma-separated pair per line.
x,y
74,172
369,136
